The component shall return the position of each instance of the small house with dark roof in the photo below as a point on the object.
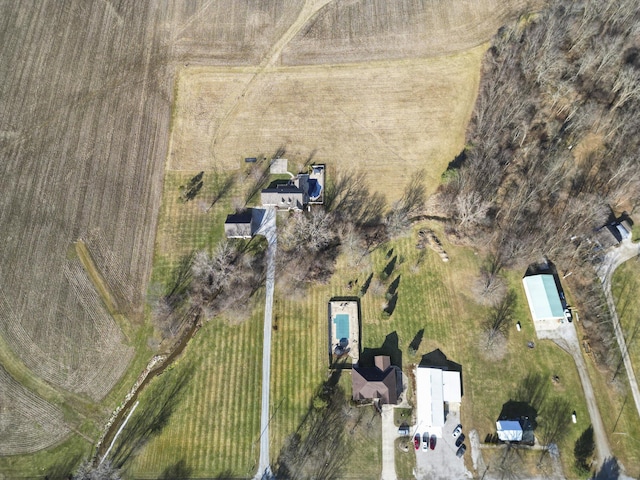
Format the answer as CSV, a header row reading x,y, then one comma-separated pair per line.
x,y
376,383
613,233
239,225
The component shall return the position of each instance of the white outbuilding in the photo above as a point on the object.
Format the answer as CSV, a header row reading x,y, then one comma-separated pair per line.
x,y
437,392
544,301
509,430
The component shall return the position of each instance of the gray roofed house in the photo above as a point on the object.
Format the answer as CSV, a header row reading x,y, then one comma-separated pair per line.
x,y
613,233
378,382
239,225
293,195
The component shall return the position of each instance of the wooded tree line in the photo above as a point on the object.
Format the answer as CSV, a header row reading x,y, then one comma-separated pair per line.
x,y
553,141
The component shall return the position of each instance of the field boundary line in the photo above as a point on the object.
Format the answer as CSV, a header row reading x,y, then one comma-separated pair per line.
x,y
98,281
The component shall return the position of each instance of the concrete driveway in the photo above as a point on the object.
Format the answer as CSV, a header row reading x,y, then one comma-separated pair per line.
x,y
389,435
268,229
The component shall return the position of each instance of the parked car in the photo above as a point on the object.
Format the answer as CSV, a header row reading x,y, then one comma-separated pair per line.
x,y
461,450
425,441
403,430
457,431
432,442
416,441
567,315
460,440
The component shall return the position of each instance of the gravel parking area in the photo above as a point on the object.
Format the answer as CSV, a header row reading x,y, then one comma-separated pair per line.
x,y
442,463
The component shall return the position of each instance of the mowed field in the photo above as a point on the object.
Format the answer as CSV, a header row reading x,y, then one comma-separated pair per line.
x,y
388,118
626,292
213,426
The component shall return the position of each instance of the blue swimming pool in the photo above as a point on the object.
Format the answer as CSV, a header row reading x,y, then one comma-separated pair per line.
x,y
342,325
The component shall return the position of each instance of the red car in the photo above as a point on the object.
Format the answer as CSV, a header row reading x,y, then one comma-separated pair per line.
x,y
432,442
416,441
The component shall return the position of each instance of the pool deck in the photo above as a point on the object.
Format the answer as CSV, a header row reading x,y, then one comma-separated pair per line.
x,y
345,307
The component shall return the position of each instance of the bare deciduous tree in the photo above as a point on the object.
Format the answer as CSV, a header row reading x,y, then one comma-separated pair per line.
x,y
104,471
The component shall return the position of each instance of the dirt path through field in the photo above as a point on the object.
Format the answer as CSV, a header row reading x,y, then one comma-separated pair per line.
x,y
310,8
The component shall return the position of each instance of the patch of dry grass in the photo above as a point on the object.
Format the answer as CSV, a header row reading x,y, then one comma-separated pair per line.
x,y
389,118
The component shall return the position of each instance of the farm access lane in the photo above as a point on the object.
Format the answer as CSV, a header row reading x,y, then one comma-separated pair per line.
x,y
268,229
566,337
612,260
309,9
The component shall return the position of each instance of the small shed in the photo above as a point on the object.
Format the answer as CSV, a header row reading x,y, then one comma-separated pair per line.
x,y
509,430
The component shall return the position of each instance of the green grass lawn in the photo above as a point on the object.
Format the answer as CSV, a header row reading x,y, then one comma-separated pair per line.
x,y
626,292
432,296
213,429
405,460
56,462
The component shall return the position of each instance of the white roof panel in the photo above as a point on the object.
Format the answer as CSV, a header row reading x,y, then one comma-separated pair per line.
x,y
451,386
509,430
437,399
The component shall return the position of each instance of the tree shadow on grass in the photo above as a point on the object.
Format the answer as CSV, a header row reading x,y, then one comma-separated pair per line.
x,y
64,468
153,413
417,340
391,305
178,471
583,449
388,269
532,389
393,287
390,347
319,448
365,286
